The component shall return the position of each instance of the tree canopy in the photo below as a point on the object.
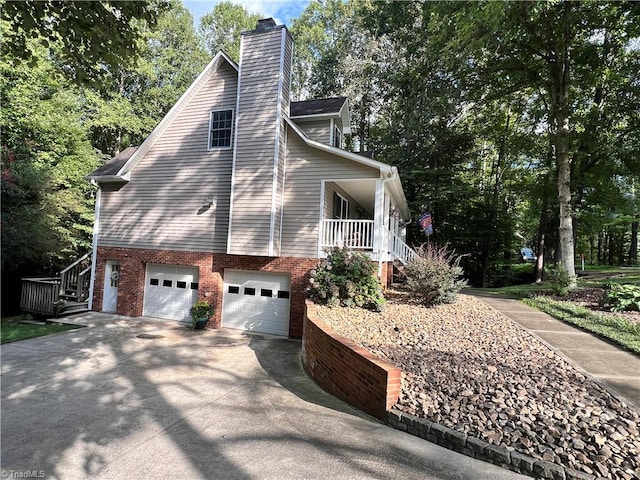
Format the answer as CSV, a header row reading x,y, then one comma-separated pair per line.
x,y
221,28
89,35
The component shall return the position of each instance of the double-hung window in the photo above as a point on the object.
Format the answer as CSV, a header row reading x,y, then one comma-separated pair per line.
x,y
337,137
340,207
220,129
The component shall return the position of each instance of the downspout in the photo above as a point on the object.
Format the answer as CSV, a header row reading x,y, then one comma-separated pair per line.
x,y
390,176
94,255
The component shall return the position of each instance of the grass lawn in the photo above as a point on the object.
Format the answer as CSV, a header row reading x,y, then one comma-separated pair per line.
x,y
12,330
621,331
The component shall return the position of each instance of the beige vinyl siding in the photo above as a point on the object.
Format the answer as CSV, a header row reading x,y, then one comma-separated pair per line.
x,y
305,170
329,189
161,206
284,105
256,142
318,130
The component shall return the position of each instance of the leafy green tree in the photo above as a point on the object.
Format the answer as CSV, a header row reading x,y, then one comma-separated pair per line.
x,y
561,59
91,34
47,206
337,56
132,100
221,28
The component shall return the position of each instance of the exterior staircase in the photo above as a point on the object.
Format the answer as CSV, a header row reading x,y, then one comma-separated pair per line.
x,y
57,296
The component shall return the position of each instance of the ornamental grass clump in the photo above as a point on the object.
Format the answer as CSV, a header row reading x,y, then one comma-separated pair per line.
x,y
433,277
346,278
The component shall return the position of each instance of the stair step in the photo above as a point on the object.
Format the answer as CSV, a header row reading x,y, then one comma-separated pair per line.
x,y
74,308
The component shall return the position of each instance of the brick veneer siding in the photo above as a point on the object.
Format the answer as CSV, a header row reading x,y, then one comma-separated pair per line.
x,y
133,263
346,370
386,279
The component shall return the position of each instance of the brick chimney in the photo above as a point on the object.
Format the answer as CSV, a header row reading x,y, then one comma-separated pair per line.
x,y
259,149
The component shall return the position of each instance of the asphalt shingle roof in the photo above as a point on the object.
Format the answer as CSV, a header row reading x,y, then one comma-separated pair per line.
x,y
316,107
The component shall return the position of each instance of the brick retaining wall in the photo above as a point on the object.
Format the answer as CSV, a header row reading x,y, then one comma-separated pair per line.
x,y
346,370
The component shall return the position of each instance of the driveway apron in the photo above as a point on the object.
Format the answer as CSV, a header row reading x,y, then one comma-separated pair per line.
x,y
145,398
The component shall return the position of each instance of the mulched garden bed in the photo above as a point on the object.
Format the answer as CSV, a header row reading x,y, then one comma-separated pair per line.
x,y
473,370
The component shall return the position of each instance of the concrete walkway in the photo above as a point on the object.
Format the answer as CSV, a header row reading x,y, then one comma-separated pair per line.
x,y
614,368
146,399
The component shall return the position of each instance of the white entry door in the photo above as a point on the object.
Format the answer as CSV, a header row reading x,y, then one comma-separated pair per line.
x,y
169,291
256,301
111,281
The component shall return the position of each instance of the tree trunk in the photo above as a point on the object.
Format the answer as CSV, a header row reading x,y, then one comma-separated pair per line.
x,y
600,259
542,227
560,101
633,248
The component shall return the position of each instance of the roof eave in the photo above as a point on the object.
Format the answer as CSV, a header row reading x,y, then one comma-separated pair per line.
x,y
346,117
316,116
109,178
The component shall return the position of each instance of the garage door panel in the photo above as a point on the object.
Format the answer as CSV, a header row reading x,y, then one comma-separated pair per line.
x,y
251,301
169,291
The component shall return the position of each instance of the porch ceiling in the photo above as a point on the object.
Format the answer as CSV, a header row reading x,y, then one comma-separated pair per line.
x,y
362,191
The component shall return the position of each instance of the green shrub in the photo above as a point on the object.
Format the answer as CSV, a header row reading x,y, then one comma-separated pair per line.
x,y
622,298
512,274
346,278
558,279
433,277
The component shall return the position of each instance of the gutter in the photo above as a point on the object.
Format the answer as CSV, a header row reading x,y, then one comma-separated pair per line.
x,y
94,255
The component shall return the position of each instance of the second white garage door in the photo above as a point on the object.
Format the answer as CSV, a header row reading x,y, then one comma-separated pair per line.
x,y
256,301
169,291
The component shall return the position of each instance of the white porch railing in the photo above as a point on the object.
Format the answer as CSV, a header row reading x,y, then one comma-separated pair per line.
x,y
357,234
400,250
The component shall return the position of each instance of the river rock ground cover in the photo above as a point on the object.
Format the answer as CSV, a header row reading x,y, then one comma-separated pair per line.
x,y
471,369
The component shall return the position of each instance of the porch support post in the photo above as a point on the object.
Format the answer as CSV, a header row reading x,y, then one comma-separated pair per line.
x,y
378,218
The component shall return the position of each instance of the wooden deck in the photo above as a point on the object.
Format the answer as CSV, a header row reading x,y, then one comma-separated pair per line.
x,y
55,296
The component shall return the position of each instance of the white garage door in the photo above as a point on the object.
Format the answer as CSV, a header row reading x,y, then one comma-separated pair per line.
x,y
170,291
256,301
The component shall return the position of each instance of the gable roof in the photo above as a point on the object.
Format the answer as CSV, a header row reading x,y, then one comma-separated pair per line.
x,y
316,107
387,171
134,158
323,108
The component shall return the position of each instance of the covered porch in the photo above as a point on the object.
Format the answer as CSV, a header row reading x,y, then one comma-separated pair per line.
x,y
364,215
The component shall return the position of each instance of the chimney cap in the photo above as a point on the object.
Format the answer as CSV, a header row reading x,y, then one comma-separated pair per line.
x,y
265,24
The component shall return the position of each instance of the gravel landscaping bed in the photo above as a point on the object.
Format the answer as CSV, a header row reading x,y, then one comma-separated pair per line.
x,y
473,370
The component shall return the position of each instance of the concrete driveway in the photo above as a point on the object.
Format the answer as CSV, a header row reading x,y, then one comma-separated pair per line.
x,y
105,402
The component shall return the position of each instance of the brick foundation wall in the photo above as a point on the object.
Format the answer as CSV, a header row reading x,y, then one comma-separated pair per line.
x,y
346,370
133,262
386,279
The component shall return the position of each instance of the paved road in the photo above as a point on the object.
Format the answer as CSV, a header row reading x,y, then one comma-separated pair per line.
x,y
102,402
615,368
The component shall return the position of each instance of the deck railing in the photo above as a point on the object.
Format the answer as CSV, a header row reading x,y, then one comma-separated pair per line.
x,y
39,295
73,279
53,296
356,234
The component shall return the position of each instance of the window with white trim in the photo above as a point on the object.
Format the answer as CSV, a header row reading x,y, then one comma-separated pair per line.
x,y
340,207
337,137
220,129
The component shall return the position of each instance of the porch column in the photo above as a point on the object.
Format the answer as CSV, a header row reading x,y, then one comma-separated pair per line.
x,y
385,218
378,218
